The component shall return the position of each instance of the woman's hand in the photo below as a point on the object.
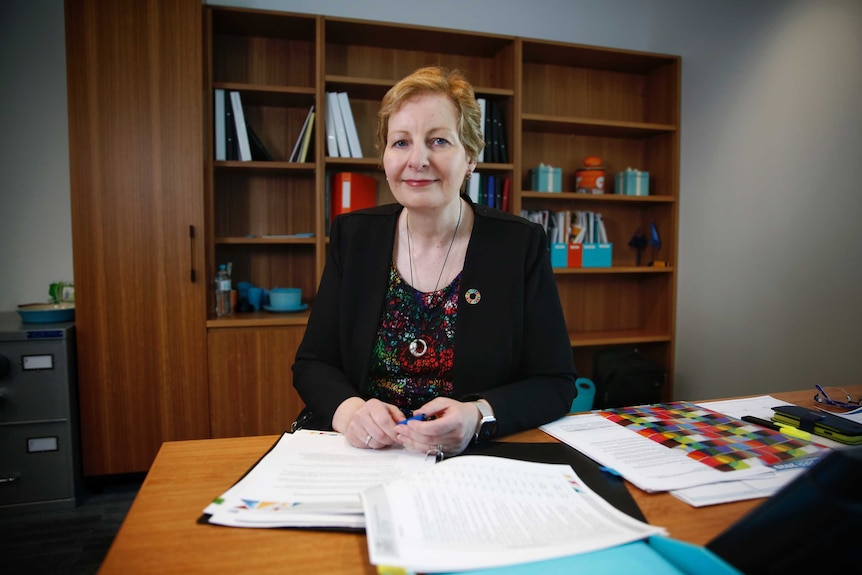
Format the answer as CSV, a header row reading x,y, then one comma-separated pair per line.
x,y
367,424
452,428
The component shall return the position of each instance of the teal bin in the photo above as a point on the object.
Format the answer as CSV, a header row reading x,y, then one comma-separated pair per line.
x,y
597,255
559,255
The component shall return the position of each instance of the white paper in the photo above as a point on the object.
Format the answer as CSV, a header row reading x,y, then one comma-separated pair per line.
x,y
752,488
854,415
759,406
645,463
756,487
311,479
474,512
642,461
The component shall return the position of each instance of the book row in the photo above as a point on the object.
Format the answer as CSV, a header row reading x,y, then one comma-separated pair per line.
x,y
493,132
342,138
236,140
489,190
570,226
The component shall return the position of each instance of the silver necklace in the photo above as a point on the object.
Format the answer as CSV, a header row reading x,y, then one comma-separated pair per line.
x,y
418,346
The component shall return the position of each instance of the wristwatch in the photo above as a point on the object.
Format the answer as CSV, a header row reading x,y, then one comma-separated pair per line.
x,y
487,425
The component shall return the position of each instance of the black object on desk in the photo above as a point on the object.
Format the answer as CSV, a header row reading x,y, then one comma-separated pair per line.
x,y
610,487
812,525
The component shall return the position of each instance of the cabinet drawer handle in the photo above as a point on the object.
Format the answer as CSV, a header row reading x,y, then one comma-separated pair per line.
x,y
192,253
10,479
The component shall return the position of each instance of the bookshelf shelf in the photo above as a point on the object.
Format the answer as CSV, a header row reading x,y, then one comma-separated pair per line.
x,y
260,95
265,241
235,165
615,270
622,337
614,198
592,127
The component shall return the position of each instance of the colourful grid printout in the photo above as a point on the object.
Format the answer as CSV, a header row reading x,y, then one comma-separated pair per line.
x,y
720,441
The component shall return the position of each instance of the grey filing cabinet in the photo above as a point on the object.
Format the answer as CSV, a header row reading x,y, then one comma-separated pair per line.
x,y
40,465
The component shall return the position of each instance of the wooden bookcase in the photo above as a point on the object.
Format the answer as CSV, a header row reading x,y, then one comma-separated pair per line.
x,y
561,102
578,101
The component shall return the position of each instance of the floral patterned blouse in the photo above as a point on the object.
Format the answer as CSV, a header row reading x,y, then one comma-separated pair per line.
x,y
411,362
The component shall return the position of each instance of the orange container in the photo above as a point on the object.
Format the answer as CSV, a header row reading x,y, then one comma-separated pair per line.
x,y
590,181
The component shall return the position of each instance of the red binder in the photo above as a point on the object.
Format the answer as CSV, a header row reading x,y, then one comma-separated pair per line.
x,y
350,191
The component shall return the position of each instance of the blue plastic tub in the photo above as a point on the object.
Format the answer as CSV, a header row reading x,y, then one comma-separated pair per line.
x,y
46,312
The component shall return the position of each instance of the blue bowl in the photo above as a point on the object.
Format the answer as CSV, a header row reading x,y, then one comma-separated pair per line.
x,y
46,312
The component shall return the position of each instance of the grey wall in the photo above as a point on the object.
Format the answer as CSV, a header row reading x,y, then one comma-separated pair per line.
x,y
35,214
771,139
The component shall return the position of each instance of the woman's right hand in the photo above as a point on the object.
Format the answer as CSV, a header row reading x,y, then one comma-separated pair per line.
x,y
367,424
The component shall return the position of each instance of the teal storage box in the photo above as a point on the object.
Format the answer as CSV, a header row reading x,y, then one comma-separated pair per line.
x,y
632,183
547,179
597,255
559,255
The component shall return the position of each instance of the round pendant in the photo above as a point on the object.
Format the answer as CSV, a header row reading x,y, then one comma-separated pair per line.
x,y
418,347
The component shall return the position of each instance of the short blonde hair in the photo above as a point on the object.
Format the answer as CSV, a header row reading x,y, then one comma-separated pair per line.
x,y
436,80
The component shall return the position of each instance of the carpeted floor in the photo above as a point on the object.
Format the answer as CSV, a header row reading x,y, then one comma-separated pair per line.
x,y
67,541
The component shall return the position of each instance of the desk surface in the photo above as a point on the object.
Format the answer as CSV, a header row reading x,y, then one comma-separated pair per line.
x,y
160,533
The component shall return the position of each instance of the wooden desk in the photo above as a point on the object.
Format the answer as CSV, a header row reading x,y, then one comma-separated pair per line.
x,y
160,533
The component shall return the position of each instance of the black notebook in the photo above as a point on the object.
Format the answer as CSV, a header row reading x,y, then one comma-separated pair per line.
x,y
610,487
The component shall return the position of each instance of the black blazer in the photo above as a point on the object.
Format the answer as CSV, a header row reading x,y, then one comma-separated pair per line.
x,y
511,348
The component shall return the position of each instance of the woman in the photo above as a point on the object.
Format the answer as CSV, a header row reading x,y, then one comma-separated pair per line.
x,y
434,307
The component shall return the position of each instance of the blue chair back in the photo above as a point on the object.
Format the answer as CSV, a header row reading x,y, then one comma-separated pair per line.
x,y
586,394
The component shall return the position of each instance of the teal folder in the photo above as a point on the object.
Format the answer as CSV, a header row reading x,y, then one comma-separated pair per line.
x,y
656,556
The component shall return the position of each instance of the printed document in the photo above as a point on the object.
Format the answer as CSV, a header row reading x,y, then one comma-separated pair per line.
x,y
645,463
311,479
678,445
755,487
476,512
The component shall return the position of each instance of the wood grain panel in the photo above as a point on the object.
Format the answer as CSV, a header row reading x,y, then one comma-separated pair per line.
x,y
135,131
251,383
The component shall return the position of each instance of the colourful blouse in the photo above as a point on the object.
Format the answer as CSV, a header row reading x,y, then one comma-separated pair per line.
x,y
411,362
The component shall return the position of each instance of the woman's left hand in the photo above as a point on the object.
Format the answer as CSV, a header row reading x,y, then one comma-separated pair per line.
x,y
452,428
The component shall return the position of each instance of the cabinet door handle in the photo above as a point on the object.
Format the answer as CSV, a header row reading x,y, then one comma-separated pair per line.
x,y
192,274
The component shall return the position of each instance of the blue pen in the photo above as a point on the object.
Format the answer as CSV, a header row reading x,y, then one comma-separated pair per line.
x,y
417,417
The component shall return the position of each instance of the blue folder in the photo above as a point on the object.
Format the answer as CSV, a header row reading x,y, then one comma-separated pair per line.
x,y
656,556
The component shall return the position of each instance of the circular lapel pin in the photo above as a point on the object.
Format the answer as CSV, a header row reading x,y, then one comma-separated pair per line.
x,y
472,296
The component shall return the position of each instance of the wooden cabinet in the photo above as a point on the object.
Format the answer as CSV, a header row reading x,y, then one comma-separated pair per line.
x,y
250,379
136,143
560,103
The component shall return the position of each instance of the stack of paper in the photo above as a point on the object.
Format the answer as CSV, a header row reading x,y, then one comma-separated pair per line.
x,y
681,447
476,512
310,479
467,512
